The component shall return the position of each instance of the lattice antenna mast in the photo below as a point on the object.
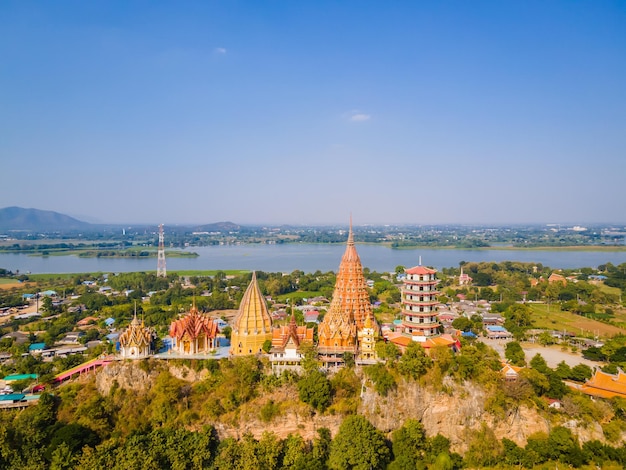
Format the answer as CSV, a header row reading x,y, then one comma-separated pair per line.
x,y
161,271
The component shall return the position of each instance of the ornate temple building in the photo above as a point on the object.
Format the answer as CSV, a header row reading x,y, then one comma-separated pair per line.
x,y
349,309
420,321
194,333
419,302
137,340
286,352
253,324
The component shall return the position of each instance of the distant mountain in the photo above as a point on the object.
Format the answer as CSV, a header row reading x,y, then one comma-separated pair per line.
x,y
18,218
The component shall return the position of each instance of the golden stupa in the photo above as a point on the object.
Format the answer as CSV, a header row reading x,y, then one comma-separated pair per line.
x,y
253,324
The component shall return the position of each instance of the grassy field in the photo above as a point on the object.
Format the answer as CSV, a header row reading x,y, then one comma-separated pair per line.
x,y
553,317
6,284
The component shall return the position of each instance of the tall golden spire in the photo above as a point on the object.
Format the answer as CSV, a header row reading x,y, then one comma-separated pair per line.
x,y
253,324
350,306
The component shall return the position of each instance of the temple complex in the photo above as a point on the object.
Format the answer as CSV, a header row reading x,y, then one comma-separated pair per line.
x,y
287,340
195,333
137,340
253,324
349,309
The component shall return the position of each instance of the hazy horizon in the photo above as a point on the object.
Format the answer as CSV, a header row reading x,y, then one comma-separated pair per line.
x,y
302,113
560,224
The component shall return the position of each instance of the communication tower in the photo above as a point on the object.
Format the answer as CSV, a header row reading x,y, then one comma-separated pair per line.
x,y
161,271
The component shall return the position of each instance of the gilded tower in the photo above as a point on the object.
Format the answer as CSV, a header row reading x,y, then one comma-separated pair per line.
x,y
253,324
349,309
137,340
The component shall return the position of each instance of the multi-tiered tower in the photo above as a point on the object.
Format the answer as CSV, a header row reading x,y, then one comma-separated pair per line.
x,y
349,309
419,301
137,340
161,271
253,324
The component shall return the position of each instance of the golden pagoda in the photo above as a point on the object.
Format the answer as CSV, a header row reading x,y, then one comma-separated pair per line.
x,y
136,341
253,324
349,309
194,333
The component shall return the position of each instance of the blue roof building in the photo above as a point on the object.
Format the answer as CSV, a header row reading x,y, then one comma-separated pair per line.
x,y
37,347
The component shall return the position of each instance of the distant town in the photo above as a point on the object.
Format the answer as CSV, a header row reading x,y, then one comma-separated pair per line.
x,y
47,235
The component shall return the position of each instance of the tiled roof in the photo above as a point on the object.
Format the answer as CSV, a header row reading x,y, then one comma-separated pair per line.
x,y
606,385
420,270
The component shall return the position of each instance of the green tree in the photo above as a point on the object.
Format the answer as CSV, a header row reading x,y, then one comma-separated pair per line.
x,y
414,363
409,445
358,445
315,390
515,354
485,450
387,351
539,364
382,378
581,372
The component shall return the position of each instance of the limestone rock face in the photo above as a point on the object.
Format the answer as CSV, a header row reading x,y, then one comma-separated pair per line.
x,y
453,414
128,375
456,413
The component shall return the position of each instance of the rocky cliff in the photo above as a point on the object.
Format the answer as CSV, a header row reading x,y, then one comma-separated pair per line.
x,y
455,413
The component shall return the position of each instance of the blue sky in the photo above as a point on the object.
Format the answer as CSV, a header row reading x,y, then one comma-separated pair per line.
x,y
304,112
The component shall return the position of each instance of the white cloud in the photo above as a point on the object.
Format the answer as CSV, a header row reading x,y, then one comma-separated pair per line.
x,y
219,50
360,117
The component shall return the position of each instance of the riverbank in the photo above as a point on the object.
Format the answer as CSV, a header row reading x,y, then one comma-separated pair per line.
x,y
598,248
305,257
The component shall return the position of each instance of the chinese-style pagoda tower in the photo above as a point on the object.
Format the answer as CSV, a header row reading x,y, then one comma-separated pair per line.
x,y
419,301
194,333
137,340
349,309
253,324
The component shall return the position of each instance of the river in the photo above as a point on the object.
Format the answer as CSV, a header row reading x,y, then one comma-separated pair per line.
x,y
306,257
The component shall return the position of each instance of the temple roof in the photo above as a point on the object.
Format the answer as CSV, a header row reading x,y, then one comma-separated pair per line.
x,y
420,270
136,334
606,385
193,324
253,316
299,334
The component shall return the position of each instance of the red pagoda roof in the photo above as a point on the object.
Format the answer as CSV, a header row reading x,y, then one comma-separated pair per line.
x,y
420,270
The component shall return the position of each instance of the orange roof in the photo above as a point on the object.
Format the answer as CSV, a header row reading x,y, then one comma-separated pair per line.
x,y
420,270
281,335
401,340
193,325
606,385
